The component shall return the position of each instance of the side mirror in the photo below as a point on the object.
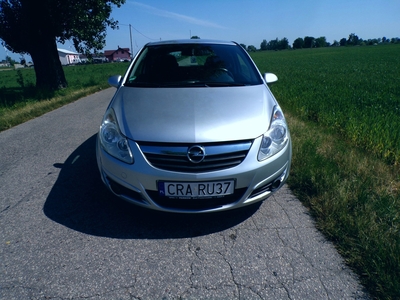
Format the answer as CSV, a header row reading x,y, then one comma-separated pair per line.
x,y
270,78
114,80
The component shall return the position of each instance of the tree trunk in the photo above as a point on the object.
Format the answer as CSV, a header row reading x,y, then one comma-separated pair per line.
x,y
47,64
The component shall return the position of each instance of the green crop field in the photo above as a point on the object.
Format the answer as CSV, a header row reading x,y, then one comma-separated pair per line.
x,y
353,90
343,109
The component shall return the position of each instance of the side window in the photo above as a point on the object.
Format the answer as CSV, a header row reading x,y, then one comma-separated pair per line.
x,y
138,69
244,69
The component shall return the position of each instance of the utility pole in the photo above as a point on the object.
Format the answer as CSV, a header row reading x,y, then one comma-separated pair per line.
x,y
130,34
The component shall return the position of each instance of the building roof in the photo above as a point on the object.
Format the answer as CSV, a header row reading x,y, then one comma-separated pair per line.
x,y
111,52
67,51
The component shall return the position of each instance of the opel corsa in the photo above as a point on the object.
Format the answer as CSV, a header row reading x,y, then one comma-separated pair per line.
x,y
193,127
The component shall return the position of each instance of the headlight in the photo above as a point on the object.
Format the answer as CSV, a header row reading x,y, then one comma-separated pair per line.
x,y
111,139
276,138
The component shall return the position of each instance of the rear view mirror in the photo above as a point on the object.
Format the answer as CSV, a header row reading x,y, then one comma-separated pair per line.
x,y
270,78
114,80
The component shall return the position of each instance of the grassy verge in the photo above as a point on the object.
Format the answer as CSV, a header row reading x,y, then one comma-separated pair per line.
x,y
355,199
20,101
32,108
342,106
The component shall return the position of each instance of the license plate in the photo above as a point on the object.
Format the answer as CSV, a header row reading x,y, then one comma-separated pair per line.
x,y
196,189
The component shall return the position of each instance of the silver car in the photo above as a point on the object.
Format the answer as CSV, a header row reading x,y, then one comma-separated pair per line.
x,y
193,128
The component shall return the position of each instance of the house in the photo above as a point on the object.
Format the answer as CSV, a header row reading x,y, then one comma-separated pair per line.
x,y
18,66
120,54
68,57
96,59
4,64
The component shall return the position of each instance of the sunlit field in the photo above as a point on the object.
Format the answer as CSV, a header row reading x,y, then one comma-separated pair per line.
x,y
353,90
343,109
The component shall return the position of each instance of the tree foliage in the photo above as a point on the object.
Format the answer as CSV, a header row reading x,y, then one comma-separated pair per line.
x,y
309,42
275,44
298,43
35,27
263,45
320,42
335,43
251,48
353,40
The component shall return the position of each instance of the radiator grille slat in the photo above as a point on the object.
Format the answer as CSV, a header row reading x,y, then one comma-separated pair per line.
x,y
173,157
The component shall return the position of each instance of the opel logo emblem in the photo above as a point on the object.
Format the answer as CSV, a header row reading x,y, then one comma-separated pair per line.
x,y
196,154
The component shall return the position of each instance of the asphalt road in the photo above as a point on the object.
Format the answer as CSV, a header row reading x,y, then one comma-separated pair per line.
x,y
64,236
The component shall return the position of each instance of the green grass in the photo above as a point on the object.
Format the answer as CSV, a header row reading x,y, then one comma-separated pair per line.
x,y
20,101
355,200
355,91
342,106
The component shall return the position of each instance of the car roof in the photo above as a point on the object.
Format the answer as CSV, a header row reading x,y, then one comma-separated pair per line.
x,y
190,41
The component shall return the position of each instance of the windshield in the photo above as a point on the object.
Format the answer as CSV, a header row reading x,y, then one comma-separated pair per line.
x,y
177,65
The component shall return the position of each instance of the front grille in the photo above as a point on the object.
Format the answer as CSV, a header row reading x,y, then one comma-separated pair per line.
x,y
173,157
196,204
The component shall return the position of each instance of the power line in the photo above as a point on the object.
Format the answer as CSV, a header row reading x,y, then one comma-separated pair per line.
x,y
139,32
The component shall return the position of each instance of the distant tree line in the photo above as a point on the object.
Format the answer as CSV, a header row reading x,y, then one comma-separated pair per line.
x,y
312,42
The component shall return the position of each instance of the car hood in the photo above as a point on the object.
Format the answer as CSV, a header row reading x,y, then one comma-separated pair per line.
x,y
193,115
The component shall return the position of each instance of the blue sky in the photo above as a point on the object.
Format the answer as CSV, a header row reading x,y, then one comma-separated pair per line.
x,y
250,22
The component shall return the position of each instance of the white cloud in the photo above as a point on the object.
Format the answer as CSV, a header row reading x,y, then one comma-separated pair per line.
x,y
175,16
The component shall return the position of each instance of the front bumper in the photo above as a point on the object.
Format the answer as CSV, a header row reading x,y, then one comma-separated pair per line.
x,y
137,183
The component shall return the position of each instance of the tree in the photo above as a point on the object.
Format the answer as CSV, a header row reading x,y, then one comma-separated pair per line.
x,y
273,44
35,27
309,42
320,42
10,61
251,48
371,42
343,42
298,43
335,43
283,44
394,40
353,39
263,45
195,37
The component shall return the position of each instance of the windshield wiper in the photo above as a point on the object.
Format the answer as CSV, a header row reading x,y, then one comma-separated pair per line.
x,y
142,84
165,84
183,84
189,83
220,84
198,83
